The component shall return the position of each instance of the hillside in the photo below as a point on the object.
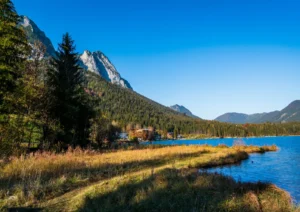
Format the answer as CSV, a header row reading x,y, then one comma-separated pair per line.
x,y
240,118
183,110
290,113
127,106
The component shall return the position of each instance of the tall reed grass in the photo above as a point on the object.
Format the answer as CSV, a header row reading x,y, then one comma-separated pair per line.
x,y
36,178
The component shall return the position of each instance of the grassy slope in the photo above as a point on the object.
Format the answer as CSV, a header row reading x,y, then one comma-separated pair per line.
x,y
155,179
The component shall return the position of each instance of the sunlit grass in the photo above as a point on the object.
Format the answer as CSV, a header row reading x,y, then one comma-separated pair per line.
x,y
40,179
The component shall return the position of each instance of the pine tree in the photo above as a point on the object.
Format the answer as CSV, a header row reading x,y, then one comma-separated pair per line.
x,y
69,103
175,133
14,48
14,51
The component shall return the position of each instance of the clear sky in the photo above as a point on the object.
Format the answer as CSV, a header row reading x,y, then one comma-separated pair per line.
x,y
211,56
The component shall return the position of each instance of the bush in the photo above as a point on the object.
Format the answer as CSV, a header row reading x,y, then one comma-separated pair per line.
x,y
134,140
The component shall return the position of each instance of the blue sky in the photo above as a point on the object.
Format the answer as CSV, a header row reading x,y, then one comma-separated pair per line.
x,y
211,56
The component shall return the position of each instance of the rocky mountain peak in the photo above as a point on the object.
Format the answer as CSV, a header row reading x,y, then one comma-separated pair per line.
x,y
25,22
96,61
35,34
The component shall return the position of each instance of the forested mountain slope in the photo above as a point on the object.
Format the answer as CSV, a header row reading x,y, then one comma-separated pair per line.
x,y
127,107
183,110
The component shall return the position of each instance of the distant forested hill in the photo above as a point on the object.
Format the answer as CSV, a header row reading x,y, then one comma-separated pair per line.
x,y
183,110
127,107
290,113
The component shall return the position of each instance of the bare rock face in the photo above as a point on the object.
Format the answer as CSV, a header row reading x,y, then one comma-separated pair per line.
x,y
98,63
35,34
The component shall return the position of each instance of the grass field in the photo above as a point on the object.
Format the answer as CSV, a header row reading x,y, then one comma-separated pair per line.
x,y
146,179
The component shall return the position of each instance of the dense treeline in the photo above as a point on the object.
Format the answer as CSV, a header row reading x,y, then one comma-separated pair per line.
x,y
51,103
43,101
131,110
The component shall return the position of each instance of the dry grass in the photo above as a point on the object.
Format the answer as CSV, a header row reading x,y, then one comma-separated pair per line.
x,y
41,179
187,190
173,190
256,149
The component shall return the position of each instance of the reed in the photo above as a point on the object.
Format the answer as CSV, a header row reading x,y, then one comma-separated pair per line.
x,y
41,178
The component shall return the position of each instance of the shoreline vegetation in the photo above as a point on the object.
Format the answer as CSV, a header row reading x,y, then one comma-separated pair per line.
x,y
139,178
49,102
59,126
196,137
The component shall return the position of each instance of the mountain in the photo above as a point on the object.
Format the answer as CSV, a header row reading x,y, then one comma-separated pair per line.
x,y
288,114
130,109
184,110
268,117
240,118
35,34
127,107
96,62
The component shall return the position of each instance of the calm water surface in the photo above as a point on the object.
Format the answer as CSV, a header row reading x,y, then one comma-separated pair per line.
x,y
281,168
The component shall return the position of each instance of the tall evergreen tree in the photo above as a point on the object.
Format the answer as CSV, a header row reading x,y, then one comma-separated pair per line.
x,y
14,48
14,51
69,102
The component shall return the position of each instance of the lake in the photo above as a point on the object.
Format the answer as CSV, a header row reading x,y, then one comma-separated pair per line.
x,y
281,168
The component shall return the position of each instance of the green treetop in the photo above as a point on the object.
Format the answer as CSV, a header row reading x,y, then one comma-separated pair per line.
x,y
14,49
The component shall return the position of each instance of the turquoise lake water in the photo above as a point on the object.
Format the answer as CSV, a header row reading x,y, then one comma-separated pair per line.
x,y
281,168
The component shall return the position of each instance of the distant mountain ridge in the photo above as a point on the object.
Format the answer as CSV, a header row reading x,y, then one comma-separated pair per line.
x,y
183,110
288,114
125,106
95,62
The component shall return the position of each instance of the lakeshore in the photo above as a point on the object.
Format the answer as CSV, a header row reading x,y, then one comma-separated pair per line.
x,y
218,138
136,179
208,138
280,167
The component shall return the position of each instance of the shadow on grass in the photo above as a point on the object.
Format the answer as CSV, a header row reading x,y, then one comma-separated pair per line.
x,y
186,190
50,185
24,209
